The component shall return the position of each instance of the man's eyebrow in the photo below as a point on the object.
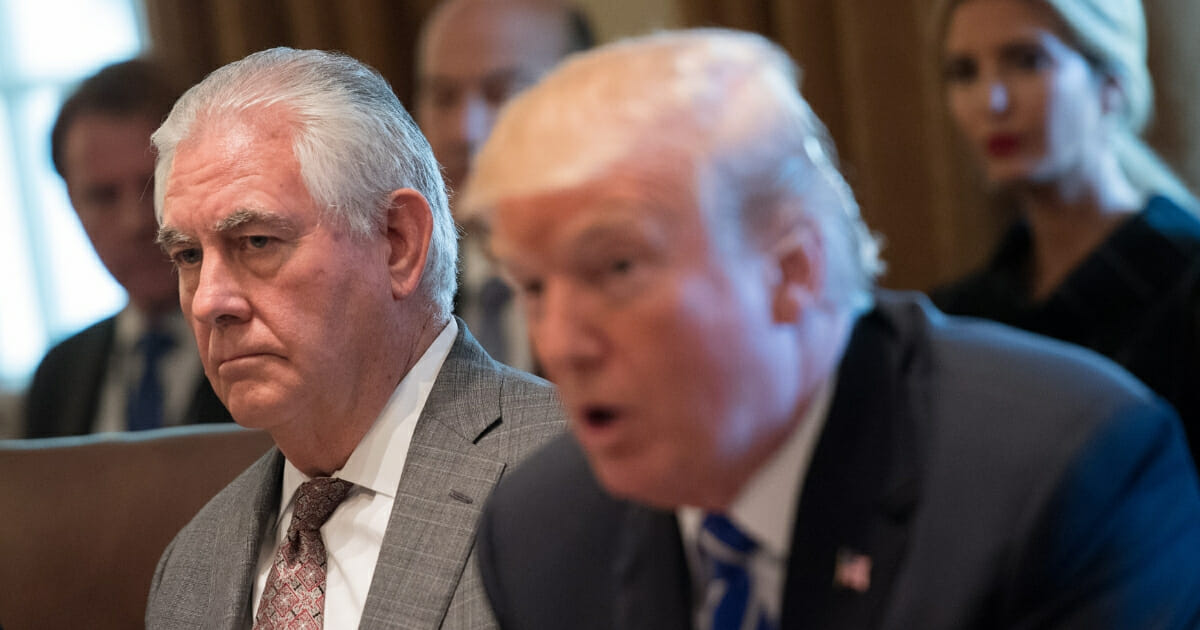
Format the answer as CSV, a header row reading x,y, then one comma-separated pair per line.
x,y
169,238
251,217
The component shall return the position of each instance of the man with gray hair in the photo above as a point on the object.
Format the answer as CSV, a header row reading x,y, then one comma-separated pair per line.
x,y
309,226
759,438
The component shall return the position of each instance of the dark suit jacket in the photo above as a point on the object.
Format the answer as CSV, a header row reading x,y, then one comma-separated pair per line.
x,y
995,479
65,392
480,418
1134,299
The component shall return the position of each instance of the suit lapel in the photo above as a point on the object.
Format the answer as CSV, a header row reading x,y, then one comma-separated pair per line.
x,y
238,538
860,491
445,483
653,584
87,371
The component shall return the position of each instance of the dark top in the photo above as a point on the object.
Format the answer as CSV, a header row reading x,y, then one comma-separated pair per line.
x,y
65,393
1136,300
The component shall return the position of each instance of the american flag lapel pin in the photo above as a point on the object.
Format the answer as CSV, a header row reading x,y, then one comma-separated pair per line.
x,y
852,570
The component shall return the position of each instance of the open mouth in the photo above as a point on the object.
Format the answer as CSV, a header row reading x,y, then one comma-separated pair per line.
x,y
598,416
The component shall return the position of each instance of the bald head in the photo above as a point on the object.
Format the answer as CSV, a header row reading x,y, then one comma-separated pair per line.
x,y
474,55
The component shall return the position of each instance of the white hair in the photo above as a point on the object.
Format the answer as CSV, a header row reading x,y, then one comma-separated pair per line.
x,y
722,103
354,141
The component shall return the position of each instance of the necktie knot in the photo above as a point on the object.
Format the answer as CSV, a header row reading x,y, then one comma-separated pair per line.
x,y
154,344
730,601
724,537
316,499
494,294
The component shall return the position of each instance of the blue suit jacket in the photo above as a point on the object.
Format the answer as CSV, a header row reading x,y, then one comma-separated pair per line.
x,y
995,479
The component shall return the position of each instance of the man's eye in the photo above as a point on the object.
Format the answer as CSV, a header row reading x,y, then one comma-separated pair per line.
x,y
186,257
444,97
258,242
531,288
621,266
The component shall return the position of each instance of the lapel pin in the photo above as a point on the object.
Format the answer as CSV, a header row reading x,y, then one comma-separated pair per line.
x,y
852,570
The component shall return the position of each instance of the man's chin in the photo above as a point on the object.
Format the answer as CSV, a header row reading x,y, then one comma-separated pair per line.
x,y
255,412
629,482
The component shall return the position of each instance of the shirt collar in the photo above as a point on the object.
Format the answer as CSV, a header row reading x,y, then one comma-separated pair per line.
x,y
378,460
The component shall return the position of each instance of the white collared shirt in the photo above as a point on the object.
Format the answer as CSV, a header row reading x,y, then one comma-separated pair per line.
x,y
765,510
179,370
353,535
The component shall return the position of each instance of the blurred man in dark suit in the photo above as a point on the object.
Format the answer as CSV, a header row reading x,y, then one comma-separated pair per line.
x,y
762,440
138,369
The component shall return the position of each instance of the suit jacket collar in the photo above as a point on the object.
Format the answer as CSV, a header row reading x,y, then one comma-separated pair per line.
x,y
653,584
859,495
87,373
432,527
447,477
234,569
863,485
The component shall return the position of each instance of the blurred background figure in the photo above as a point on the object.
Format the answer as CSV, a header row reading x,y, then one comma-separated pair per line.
x,y
138,369
473,56
1051,97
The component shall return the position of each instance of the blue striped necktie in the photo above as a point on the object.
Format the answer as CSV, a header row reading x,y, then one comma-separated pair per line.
x,y
727,551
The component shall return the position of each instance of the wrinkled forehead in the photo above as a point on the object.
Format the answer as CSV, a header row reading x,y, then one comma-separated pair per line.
x,y
225,154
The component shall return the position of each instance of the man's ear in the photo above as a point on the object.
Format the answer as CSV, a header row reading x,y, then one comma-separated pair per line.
x,y
409,229
799,259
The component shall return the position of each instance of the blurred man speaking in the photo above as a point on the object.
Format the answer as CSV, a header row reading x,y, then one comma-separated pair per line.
x,y
760,439
316,256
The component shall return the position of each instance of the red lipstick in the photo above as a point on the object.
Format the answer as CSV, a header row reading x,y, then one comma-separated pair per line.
x,y
1002,145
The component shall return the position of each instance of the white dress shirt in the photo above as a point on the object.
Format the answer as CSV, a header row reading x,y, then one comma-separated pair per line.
x,y
765,510
179,370
354,533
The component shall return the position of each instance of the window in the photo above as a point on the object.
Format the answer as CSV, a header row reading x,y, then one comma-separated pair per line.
x,y
51,283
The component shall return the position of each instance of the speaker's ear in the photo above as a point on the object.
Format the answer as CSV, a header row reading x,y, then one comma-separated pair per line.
x,y
800,260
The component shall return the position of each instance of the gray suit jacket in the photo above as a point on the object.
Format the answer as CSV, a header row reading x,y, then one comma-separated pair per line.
x,y
480,418
994,479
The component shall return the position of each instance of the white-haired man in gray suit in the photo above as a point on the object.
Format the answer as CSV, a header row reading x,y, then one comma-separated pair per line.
x,y
309,224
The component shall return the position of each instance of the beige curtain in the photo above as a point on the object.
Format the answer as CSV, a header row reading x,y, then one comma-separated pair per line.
x,y
870,74
196,36
868,71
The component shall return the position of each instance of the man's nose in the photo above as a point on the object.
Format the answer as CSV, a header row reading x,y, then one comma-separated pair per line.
x,y
217,298
565,332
